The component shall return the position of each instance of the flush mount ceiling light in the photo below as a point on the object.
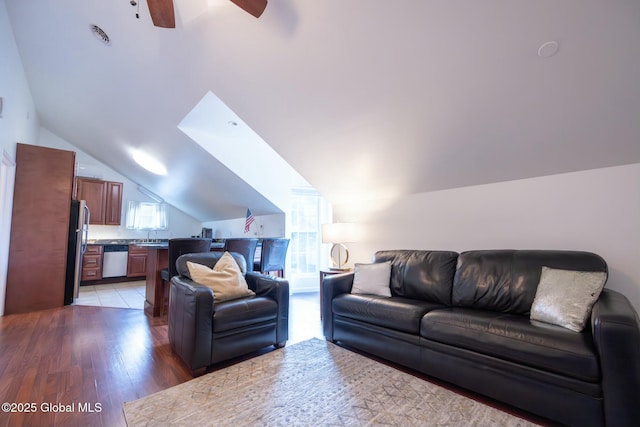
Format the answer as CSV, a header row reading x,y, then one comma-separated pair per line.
x,y
149,163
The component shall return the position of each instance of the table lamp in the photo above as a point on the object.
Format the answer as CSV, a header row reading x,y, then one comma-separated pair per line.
x,y
338,233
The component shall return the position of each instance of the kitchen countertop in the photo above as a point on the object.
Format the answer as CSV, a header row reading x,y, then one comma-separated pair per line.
x,y
159,243
123,241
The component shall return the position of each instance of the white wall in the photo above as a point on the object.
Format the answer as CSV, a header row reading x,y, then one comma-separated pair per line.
x,y
18,123
180,224
595,210
263,226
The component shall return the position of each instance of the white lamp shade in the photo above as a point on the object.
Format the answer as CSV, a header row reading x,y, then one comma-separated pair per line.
x,y
339,232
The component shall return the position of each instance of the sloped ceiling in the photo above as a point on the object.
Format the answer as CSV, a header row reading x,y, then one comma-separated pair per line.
x,y
364,98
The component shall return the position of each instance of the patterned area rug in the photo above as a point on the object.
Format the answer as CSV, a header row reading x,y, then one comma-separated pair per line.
x,y
312,383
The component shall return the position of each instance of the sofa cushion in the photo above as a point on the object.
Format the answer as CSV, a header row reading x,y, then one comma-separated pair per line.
x,y
422,275
244,312
372,279
515,338
565,298
397,313
506,280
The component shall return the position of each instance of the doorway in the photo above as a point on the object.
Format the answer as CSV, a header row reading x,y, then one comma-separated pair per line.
x,y
306,253
7,176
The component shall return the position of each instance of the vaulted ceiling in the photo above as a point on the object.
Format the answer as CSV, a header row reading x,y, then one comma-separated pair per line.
x,y
364,98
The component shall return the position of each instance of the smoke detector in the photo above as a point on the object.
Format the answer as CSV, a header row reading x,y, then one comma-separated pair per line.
x,y
100,34
548,49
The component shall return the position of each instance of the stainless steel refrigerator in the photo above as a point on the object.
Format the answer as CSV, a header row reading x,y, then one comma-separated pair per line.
x,y
77,245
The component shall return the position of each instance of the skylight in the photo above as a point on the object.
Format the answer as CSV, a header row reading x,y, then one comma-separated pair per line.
x,y
220,131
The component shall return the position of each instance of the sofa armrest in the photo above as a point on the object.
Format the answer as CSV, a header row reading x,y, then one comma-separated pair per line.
x,y
616,334
190,322
333,286
278,290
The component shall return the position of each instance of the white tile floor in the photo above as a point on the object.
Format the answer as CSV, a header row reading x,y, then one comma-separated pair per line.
x,y
119,295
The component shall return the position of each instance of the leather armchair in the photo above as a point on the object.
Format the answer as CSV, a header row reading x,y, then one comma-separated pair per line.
x,y
203,333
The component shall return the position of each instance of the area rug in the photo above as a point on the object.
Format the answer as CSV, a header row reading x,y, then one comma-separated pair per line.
x,y
312,383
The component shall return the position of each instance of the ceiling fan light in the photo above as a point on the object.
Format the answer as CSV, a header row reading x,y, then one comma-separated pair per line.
x,y
253,7
149,163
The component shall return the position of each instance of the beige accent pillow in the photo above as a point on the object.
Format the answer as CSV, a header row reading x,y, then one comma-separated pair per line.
x,y
225,279
565,298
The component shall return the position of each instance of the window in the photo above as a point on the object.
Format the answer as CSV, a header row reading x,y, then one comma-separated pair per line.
x,y
305,247
146,216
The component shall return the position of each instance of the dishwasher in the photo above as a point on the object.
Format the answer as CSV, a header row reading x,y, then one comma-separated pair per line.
x,y
115,260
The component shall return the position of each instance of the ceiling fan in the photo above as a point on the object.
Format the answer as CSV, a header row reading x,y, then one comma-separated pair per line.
x,y
162,13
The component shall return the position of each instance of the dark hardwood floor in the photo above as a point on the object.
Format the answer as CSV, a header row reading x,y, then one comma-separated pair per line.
x,y
75,366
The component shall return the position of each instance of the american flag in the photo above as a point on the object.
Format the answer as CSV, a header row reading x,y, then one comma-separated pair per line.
x,y
248,221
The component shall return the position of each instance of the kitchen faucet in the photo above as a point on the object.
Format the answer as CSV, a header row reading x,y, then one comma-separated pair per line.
x,y
149,235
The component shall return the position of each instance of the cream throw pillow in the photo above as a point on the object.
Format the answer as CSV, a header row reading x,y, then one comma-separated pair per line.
x,y
225,279
373,279
565,298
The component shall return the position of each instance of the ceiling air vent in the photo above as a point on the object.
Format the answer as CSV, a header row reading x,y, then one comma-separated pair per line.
x,y
100,34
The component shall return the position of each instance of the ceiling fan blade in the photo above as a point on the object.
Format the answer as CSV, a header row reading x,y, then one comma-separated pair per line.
x,y
254,7
162,13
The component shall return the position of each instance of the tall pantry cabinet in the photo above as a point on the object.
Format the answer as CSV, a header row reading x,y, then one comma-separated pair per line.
x,y
39,228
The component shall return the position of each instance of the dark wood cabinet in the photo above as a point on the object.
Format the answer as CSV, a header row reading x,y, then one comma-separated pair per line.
x,y
104,199
137,261
94,192
113,206
36,271
92,263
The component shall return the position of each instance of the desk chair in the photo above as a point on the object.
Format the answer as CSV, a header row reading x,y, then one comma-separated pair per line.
x,y
179,247
273,256
245,247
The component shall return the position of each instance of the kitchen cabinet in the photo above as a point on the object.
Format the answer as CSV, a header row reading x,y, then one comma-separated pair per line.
x,y
137,261
36,270
93,191
104,199
113,206
92,263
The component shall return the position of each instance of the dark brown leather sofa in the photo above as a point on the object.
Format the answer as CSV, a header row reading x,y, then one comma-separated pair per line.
x,y
464,318
202,333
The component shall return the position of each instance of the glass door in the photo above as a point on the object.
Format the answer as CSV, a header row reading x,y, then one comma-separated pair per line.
x,y
306,256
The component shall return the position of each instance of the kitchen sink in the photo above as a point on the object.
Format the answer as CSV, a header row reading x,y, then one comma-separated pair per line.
x,y
150,244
